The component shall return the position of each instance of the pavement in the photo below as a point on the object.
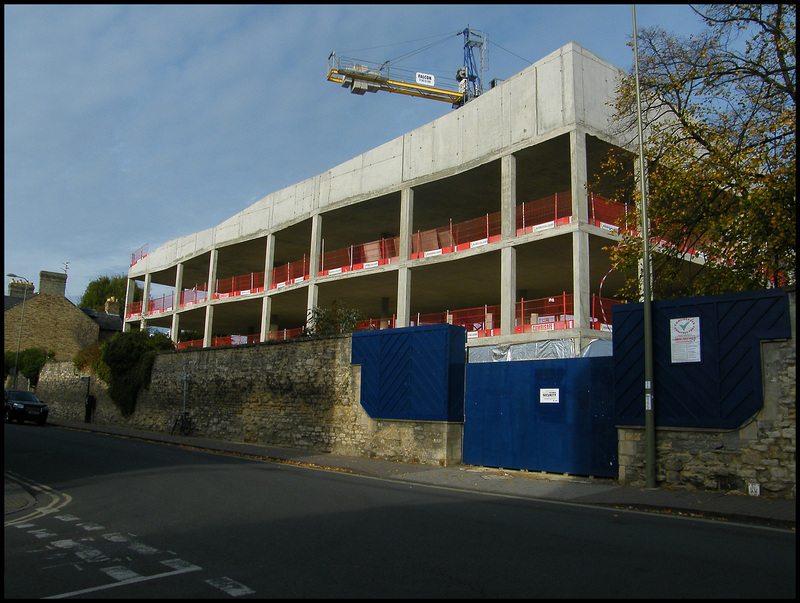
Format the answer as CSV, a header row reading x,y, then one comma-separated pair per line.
x,y
605,492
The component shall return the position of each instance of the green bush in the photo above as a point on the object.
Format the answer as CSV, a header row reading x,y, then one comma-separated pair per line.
x,y
91,358
334,320
129,358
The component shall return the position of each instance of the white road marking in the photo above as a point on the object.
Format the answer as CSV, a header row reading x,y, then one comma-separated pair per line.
x,y
230,587
118,572
42,533
90,527
189,568
67,517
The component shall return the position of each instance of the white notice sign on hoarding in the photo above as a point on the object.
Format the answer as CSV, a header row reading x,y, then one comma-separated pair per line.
x,y
685,339
548,395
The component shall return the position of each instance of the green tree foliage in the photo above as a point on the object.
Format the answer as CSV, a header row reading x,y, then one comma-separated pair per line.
x,y
31,362
720,122
91,358
129,358
334,320
103,287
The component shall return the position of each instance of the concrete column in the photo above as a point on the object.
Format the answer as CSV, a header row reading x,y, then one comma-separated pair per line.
x,y
176,303
145,302
212,272
316,246
581,292
403,316
212,277
208,329
129,291
508,197
314,263
266,301
266,315
313,299
508,289
579,176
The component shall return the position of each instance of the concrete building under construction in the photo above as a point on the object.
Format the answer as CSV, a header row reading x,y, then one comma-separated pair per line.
x,y
482,218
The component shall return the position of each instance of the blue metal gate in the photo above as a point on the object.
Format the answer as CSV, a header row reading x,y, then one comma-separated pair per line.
x,y
542,415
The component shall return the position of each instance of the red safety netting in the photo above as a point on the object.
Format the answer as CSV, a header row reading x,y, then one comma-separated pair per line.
x,y
376,324
198,293
161,304
613,213
485,318
456,237
546,212
290,273
196,343
284,334
133,309
363,255
138,254
240,284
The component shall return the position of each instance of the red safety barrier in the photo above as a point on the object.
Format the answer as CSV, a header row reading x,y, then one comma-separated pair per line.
x,y
196,343
239,285
545,314
358,257
544,213
133,309
165,303
611,215
479,322
194,295
601,312
290,273
457,237
376,324
284,334
139,254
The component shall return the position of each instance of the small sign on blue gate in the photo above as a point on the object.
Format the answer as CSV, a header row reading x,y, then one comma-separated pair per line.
x,y
548,395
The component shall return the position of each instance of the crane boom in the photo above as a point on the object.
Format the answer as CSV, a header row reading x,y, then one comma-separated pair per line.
x,y
362,76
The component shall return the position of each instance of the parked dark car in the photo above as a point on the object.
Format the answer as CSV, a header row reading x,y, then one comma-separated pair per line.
x,y
24,406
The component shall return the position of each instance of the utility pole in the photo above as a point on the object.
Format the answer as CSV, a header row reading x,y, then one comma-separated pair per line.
x,y
649,417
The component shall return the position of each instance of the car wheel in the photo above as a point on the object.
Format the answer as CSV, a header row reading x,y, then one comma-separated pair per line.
x,y
41,421
8,416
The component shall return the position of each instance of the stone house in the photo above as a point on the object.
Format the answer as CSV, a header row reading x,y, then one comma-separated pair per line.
x,y
51,321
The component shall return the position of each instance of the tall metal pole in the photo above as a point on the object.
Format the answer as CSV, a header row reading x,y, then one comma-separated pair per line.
x,y
21,318
649,416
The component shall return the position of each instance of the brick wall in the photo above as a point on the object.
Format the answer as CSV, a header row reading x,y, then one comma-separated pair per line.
x,y
296,394
51,322
761,452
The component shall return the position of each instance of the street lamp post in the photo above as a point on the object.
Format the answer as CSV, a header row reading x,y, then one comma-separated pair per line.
x,y
649,412
21,318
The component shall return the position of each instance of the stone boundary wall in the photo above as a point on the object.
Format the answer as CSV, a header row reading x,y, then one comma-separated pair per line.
x,y
761,452
295,394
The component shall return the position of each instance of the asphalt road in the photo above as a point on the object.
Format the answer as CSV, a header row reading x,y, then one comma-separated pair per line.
x,y
121,518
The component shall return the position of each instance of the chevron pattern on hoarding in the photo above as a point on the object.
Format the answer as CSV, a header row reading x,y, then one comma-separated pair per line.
x,y
414,373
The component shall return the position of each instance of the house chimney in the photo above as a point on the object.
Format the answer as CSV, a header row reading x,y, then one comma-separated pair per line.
x,y
112,306
52,283
18,289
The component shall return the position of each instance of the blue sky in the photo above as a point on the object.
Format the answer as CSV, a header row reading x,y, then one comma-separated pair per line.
x,y
134,125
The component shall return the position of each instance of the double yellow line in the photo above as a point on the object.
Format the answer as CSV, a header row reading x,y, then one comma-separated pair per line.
x,y
58,500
